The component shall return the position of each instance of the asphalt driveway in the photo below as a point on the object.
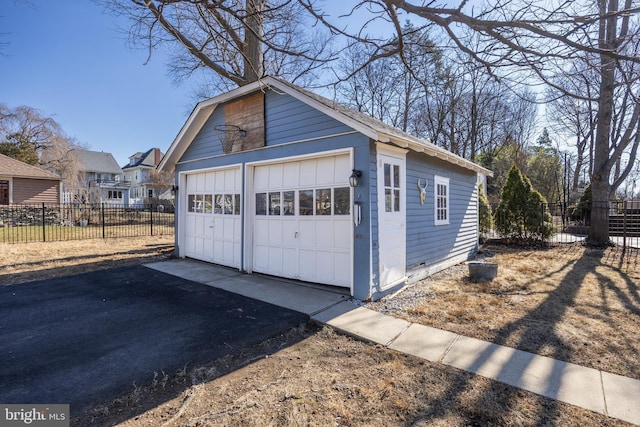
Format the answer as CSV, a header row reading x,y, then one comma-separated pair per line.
x,y
87,339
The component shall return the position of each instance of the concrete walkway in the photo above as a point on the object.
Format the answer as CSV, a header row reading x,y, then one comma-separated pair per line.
x,y
609,394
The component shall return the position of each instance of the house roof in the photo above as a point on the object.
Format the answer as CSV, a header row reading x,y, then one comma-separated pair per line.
x,y
96,161
143,159
16,168
363,123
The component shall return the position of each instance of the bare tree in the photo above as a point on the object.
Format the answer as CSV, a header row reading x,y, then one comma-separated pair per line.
x,y
383,88
234,42
521,39
40,139
575,118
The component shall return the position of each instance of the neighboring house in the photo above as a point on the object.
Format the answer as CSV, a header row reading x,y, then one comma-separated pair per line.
x,y
280,196
21,183
139,173
101,178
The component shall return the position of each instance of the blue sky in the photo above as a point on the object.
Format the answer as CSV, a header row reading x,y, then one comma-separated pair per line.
x,y
71,61
68,59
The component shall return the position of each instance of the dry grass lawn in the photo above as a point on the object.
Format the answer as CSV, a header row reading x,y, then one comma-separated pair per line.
x,y
314,377
25,262
319,378
571,303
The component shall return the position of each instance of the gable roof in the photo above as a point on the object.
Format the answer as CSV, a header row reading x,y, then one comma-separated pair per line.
x,y
147,159
363,123
16,168
96,161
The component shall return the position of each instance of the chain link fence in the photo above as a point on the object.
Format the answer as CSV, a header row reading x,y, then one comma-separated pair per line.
x,y
57,222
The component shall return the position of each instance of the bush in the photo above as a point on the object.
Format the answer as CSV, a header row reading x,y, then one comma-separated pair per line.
x,y
522,214
582,212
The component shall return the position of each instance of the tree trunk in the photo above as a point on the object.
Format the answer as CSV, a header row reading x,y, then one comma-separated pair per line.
x,y
580,145
253,69
600,187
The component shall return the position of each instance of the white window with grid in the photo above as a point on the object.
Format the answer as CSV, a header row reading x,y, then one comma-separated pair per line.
x,y
441,200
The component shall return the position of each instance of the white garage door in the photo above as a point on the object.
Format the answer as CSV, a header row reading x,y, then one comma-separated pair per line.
x,y
213,222
302,223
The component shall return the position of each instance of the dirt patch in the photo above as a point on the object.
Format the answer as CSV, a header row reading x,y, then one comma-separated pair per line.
x,y
311,375
569,302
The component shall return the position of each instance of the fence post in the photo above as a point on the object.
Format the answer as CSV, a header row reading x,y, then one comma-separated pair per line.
x,y
102,215
151,218
624,225
544,239
44,236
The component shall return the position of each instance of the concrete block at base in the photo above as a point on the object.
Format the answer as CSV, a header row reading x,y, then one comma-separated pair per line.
x,y
623,397
362,322
424,342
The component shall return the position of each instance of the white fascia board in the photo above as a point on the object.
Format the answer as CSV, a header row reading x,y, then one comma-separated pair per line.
x,y
188,132
438,152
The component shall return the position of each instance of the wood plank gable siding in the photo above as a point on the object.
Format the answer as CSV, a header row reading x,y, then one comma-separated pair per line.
x,y
31,191
248,114
434,246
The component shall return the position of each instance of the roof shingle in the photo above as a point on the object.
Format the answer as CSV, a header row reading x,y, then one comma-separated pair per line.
x,y
16,168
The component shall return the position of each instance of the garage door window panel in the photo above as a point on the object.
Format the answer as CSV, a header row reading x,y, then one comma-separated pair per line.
x,y
219,204
199,203
342,201
288,203
228,204
261,203
274,203
306,202
323,201
236,204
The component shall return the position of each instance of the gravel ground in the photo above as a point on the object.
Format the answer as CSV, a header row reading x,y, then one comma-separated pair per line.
x,y
415,295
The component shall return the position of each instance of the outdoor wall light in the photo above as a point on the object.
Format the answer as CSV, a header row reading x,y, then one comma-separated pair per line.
x,y
174,189
354,179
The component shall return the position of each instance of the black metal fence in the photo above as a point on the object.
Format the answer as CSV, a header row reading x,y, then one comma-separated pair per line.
x,y
56,222
564,223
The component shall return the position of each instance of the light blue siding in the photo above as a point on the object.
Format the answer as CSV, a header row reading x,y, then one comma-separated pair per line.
x,y
206,143
288,120
429,245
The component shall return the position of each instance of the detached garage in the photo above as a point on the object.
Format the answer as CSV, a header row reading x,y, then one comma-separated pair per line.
x,y
273,179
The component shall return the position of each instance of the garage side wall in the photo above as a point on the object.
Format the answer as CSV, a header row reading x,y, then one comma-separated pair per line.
x,y
431,247
35,191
